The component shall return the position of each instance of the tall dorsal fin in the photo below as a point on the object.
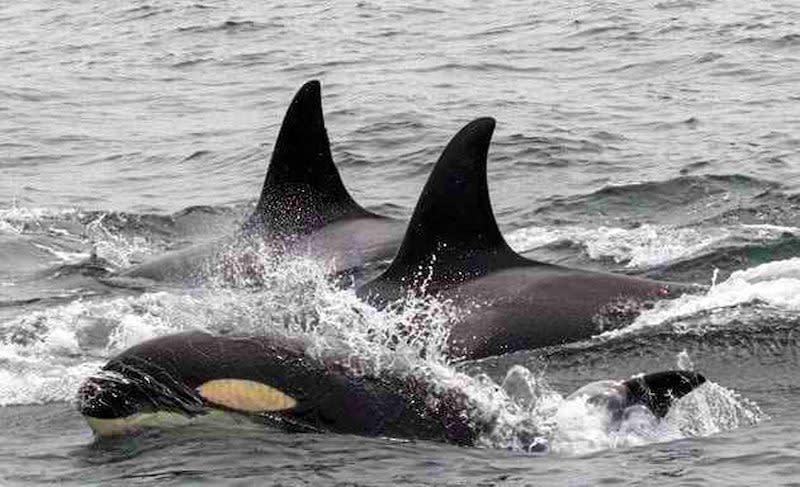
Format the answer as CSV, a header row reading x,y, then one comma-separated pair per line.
x,y
303,190
452,236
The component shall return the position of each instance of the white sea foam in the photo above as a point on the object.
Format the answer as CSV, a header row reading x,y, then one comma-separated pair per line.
x,y
62,256
14,219
40,383
79,242
297,298
120,250
646,245
581,427
22,214
46,354
774,284
10,227
531,416
643,246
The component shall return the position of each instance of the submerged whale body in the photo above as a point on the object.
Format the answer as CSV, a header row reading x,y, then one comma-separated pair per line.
x,y
454,250
271,379
304,209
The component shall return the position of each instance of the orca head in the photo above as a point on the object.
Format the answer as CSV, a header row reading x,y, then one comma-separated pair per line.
x,y
125,390
174,378
268,378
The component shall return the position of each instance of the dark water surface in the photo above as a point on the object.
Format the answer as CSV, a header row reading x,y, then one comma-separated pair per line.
x,y
658,138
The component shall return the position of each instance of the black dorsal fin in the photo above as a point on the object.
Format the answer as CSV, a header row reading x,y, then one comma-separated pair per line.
x,y
659,390
453,235
303,190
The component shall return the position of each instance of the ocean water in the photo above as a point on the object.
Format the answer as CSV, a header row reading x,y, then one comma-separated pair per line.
x,y
657,138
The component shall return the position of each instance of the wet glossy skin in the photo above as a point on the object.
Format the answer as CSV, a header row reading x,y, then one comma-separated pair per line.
x,y
531,307
164,374
454,250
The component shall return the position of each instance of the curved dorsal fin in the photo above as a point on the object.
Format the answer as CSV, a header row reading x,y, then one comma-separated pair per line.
x,y
452,236
302,190
659,390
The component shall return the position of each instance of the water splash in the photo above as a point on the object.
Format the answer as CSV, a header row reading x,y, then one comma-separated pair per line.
x,y
644,246
297,297
774,287
647,245
531,416
116,248
15,218
714,409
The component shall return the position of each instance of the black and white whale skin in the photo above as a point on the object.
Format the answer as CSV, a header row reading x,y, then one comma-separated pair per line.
x,y
271,379
454,250
304,209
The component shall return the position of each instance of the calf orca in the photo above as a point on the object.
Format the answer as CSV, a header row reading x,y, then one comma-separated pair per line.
x,y
304,209
454,250
272,379
655,392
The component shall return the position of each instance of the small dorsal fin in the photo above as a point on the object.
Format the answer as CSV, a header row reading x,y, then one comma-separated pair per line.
x,y
659,390
453,235
302,190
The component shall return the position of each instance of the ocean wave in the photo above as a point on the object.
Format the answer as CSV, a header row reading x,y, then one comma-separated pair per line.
x,y
230,26
641,247
774,285
666,251
69,236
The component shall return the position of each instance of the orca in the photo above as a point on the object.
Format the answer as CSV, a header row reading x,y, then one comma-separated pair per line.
x,y
654,392
272,379
453,250
304,209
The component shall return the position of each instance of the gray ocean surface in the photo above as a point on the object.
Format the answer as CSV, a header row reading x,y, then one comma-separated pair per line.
x,y
657,138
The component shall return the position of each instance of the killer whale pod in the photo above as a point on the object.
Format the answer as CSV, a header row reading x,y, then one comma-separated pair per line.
x,y
271,379
452,241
